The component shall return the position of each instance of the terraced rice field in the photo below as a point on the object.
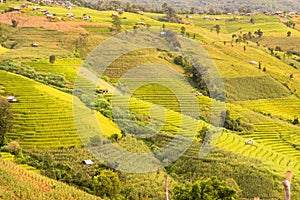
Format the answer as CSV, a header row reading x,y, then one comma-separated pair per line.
x,y
67,67
284,108
43,116
50,42
261,150
19,183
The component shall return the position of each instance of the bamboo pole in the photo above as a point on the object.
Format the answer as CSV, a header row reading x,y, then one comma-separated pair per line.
x,y
287,185
167,188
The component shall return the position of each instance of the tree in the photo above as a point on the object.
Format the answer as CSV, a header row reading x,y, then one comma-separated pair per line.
x,y
250,35
289,33
219,12
6,118
202,133
290,24
164,6
128,7
192,10
259,65
52,59
14,23
182,30
114,137
163,27
211,11
259,33
211,188
296,121
233,36
264,69
117,24
107,183
171,14
218,28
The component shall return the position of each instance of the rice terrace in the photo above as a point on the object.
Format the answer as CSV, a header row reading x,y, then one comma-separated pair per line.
x,y
183,100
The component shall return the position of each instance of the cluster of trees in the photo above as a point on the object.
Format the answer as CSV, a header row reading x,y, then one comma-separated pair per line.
x,y
108,183
197,76
244,37
172,39
193,74
218,11
98,179
170,14
211,188
228,123
6,118
212,7
290,24
234,124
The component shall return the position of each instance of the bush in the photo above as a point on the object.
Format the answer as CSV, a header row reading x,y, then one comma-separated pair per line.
x,y
107,184
52,59
14,147
14,23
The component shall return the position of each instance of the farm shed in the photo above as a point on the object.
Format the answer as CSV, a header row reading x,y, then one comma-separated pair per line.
x,y
87,162
250,142
35,45
11,99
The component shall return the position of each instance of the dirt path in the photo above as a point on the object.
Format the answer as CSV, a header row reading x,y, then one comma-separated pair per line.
x,y
35,21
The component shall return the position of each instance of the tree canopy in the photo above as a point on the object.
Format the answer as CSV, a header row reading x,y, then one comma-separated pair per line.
x,y
5,119
211,188
107,184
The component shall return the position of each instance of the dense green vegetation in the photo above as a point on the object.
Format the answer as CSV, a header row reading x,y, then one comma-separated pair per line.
x,y
19,183
6,119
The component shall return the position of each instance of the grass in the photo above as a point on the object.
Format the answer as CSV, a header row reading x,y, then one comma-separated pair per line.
x,y
252,88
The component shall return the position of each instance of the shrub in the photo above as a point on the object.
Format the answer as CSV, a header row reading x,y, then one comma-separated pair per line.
x,y
14,23
14,147
52,59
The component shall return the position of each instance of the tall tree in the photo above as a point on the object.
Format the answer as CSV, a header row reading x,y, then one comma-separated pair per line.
x,y
107,183
5,119
211,188
192,10
117,24
218,28
182,30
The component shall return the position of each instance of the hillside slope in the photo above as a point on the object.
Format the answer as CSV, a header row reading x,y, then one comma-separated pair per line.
x,y
18,183
43,116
